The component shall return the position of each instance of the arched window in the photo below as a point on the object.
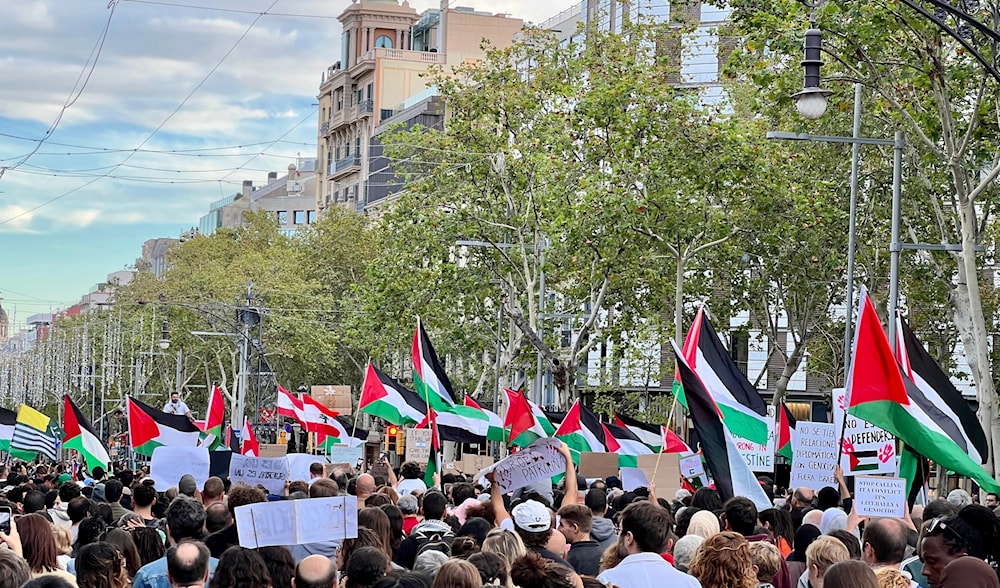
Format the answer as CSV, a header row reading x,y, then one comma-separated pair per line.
x,y
383,42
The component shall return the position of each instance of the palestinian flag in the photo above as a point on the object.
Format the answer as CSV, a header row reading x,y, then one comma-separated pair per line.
x,y
786,425
880,393
248,440
526,423
347,434
149,428
387,399
672,443
80,435
495,430
648,434
741,406
582,431
730,471
317,418
215,413
629,444
34,433
289,405
7,420
429,379
434,461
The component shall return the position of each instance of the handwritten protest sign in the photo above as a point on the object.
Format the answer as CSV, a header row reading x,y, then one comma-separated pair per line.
x,y
345,454
170,463
867,449
418,445
880,496
298,465
815,452
269,472
633,478
691,466
538,461
759,457
291,522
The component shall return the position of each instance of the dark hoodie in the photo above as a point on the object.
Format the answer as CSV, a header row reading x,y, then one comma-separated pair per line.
x,y
603,532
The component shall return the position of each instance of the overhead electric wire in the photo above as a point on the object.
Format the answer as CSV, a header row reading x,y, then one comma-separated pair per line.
x,y
155,131
232,10
102,150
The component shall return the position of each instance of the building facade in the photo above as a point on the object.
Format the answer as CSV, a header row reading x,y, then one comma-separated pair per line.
x,y
290,198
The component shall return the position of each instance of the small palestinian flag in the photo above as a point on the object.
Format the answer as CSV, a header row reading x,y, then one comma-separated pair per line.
x,y
80,435
786,425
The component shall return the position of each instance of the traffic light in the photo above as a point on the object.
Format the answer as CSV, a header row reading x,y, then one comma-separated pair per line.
x,y
401,442
391,441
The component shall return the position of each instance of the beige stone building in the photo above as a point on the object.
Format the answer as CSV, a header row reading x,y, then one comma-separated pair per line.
x,y
386,47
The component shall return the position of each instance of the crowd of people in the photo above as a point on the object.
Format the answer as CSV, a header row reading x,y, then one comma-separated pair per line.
x,y
116,530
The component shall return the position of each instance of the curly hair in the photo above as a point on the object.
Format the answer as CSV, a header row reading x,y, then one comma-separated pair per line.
x,y
101,565
240,567
887,577
532,570
410,470
723,561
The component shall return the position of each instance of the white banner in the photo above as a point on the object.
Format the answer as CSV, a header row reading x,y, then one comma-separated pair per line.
x,y
170,463
867,448
269,472
815,449
293,522
759,457
538,461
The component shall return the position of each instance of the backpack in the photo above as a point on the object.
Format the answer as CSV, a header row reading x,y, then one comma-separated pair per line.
x,y
428,540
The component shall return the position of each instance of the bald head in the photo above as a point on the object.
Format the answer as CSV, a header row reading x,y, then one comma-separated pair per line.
x,y
187,564
315,571
884,542
366,484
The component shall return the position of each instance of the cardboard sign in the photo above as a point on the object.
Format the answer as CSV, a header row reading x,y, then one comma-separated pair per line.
x,y
538,461
474,463
170,463
633,478
336,398
298,465
291,522
667,477
815,451
598,465
880,496
691,466
269,472
867,449
345,454
273,449
418,445
759,457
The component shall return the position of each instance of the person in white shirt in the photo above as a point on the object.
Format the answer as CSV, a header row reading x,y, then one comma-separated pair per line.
x,y
177,406
412,479
645,534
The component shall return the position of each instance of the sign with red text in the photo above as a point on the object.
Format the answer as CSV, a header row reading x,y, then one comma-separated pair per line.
x,y
867,448
538,461
759,457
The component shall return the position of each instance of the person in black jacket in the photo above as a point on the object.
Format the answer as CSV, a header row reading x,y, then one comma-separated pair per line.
x,y
575,522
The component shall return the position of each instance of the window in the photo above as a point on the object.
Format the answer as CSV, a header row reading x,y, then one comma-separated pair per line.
x,y
370,87
383,42
355,192
345,194
360,96
340,100
300,217
282,217
310,216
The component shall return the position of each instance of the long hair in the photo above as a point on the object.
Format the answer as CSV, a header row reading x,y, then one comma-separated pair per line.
x,y
101,565
723,561
506,544
376,520
852,573
149,544
38,543
457,573
123,541
240,567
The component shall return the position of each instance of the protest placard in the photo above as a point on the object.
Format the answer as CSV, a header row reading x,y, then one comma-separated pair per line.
x,y
474,463
538,461
815,453
273,449
418,445
867,449
269,472
598,465
298,465
666,476
345,454
759,457
633,478
170,463
880,496
691,466
292,522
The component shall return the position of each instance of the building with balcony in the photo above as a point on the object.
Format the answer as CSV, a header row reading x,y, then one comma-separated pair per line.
x,y
291,198
387,48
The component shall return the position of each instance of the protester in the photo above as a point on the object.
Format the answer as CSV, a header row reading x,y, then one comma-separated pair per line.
x,y
684,551
14,571
533,571
602,529
149,544
767,560
504,543
457,573
101,565
280,565
315,571
409,507
493,569
185,519
968,572
849,574
431,529
38,546
703,523
188,564
122,540
723,561
575,523
366,566
240,567
412,479
644,536
796,561
823,553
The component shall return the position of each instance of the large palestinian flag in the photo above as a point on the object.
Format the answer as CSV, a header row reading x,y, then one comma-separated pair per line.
x,y
582,431
346,433
429,378
495,429
524,420
647,433
149,428
80,435
630,447
8,418
387,399
742,408
880,393
729,470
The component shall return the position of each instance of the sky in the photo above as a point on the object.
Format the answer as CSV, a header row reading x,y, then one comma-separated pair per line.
x,y
121,122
